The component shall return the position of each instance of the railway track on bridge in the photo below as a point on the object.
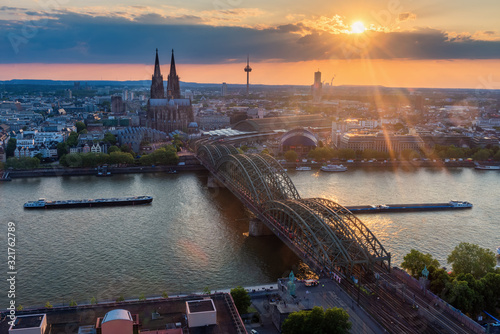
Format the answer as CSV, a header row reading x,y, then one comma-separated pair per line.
x,y
327,237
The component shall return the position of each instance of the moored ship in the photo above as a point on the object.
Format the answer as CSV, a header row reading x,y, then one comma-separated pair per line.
x,y
487,167
42,203
302,168
451,205
334,168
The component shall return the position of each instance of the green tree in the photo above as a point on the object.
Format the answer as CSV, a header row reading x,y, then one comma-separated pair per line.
x,y
48,305
206,290
347,153
241,299
481,155
438,279
317,321
93,301
22,163
62,149
415,262
469,258
164,294
72,140
461,296
20,307
11,147
142,297
80,126
113,148
72,303
120,299
110,138
291,156
496,157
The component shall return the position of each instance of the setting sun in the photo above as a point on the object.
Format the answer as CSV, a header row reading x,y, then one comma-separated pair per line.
x,y
358,27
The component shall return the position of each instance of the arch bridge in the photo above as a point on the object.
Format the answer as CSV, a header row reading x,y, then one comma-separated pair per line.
x,y
326,235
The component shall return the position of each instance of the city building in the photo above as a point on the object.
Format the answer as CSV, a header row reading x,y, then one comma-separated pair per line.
x,y
280,123
381,142
195,314
299,140
29,324
201,313
118,322
117,106
317,87
168,112
224,89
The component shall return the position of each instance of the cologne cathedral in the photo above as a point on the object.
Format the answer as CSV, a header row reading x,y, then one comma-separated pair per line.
x,y
168,112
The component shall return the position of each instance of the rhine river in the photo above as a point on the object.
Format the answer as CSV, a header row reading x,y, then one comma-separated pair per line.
x,y
193,237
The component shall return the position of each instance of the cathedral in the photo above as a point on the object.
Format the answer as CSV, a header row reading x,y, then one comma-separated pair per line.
x,y
168,112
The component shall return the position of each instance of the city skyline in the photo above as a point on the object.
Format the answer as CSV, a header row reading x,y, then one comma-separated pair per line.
x,y
394,43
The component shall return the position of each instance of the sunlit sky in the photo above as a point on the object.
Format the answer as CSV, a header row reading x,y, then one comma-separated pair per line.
x,y
404,43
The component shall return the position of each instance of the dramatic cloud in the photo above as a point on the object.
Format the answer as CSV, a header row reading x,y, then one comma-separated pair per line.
x,y
125,37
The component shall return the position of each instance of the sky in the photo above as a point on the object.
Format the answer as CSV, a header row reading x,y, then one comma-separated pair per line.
x,y
397,43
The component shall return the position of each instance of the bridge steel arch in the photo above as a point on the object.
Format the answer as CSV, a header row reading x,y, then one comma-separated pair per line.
x,y
213,153
254,176
324,235
321,231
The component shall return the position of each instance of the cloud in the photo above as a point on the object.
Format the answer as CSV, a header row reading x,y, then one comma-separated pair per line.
x,y
68,37
6,8
407,16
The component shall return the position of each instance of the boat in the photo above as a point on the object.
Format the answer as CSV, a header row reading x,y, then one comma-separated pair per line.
x,y
303,168
381,208
487,167
42,203
333,168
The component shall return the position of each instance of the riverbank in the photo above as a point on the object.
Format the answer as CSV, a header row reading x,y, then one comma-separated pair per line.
x,y
194,166
67,171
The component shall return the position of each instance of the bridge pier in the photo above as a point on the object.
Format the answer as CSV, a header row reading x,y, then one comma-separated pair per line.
x,y
212,182
257,228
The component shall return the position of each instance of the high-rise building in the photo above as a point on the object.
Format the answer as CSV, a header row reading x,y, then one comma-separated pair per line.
x,y
171,112
317,87
224,89
117,106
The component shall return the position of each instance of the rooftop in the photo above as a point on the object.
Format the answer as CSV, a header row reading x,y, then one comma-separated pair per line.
x,y
201,306
28,321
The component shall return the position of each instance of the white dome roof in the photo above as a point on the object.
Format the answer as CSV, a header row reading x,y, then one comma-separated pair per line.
x,y
118,314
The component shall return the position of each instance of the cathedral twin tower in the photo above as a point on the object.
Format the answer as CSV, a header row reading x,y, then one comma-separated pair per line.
x,y
168,112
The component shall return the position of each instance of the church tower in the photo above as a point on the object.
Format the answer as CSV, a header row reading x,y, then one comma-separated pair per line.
x,y
157,90
173,88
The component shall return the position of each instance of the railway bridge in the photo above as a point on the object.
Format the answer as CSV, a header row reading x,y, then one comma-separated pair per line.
x,y
323,233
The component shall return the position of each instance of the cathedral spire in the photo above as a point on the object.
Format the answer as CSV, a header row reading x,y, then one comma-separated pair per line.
x,y
157,90
173,88
157,65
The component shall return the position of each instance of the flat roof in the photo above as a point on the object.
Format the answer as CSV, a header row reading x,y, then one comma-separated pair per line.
x,y
28,321
205,305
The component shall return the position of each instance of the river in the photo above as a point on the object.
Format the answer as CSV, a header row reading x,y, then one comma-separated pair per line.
x,y
192,237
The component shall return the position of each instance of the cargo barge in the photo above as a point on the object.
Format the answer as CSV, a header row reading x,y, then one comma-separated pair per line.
x,y
88,203
452,205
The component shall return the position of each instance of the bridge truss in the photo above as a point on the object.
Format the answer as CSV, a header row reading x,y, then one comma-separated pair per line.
x,y
322,232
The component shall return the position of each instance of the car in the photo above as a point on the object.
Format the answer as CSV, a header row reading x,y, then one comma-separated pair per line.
x,y
253,331
311,282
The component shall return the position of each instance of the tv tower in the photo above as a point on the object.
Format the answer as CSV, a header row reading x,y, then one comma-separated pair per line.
x,y
248,69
